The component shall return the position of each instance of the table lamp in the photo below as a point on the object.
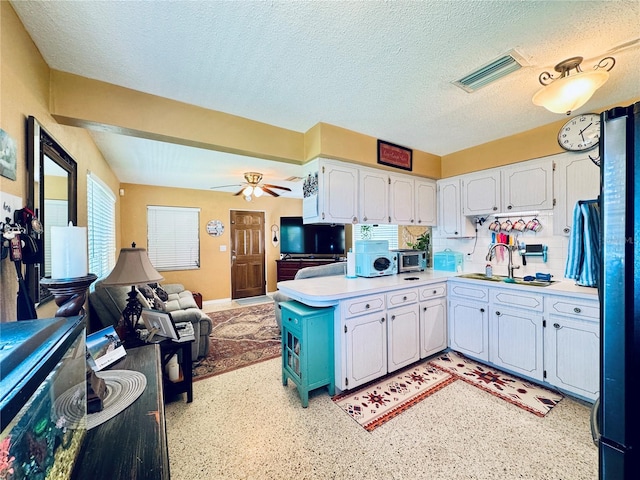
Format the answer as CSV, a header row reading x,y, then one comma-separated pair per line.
x,y
133,268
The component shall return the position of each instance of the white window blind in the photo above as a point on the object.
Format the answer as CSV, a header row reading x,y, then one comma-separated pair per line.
x,y
376,232
101,227
173,240
57,216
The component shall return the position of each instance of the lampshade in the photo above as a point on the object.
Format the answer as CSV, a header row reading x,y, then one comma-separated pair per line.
x,y
571,91
133,268
257,191
247,191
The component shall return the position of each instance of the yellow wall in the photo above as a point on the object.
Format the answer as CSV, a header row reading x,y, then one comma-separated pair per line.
x,y
84,102
535,143
213,278
24,91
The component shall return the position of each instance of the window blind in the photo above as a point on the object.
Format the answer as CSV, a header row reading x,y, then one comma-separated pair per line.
x,y
376,232
101,227
173,240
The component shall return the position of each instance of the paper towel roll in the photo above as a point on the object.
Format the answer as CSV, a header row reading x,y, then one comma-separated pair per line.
x,y
351,265
68,252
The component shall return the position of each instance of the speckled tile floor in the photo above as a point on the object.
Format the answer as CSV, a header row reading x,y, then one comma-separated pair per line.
x,y
246,425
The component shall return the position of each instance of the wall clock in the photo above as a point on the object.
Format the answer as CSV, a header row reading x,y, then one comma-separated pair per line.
x,y
580,133
215,228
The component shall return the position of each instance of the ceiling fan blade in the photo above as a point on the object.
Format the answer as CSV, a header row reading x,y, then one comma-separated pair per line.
x,y
269,191
225,186
239,192
277,186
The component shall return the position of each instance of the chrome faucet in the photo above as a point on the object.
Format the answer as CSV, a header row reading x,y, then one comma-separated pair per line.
x,y
510,249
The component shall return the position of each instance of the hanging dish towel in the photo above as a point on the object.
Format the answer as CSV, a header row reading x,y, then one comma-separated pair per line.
x,y
583,259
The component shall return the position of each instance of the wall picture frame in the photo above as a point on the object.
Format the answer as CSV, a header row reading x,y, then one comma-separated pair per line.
x,y
394,155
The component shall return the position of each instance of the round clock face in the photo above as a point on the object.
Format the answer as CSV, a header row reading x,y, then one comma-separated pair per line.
x,y
580,133
215,228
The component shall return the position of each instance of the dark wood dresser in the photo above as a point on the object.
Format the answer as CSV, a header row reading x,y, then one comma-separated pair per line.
x,y
287,269
133,444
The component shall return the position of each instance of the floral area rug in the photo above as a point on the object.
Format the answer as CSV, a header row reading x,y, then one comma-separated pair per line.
x,y
381,400
240,337
524,394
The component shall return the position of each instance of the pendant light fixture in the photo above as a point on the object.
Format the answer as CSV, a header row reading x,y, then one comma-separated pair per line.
x,y
569,91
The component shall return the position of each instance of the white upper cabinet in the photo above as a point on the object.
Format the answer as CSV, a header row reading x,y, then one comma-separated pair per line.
x,y
527,186
334,199
451,222
481,192
374,196
425,209
401,199
576,178
523,186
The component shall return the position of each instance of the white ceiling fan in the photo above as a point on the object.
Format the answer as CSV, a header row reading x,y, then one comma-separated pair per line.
x,y
253,188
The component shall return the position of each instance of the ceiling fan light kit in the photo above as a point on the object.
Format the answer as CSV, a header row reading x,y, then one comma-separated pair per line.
x,y
570,91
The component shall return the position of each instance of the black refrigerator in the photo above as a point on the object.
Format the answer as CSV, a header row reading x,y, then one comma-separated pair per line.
x,y
619,292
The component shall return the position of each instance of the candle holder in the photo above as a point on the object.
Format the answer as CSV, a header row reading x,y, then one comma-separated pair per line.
x,y
69,293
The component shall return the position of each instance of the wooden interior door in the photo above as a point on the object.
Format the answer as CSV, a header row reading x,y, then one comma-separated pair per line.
x,y
247,254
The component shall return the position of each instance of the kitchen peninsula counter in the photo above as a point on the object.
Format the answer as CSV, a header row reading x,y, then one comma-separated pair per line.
x,y
329,291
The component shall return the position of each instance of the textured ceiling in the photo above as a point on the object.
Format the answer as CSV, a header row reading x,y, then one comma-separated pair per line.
x,y
380,68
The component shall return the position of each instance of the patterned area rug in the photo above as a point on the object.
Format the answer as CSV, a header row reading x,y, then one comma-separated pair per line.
x,y
380,401
240,337
524,394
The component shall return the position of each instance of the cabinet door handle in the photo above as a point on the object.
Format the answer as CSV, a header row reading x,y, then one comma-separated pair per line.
x,y
382,320
509,207
365,219
498,313
367,306
566,230
419,221
482,310
434,292
577,309
557,325
404,299
495,208
393,317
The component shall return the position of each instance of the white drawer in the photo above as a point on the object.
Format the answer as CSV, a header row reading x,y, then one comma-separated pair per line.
x,y
402,297
433,291
469,292
574,308
362,305
511,298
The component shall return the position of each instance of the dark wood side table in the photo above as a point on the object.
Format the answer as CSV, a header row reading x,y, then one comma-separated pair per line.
x,y
183,348
133,444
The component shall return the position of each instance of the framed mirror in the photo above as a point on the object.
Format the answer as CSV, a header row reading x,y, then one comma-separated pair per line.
x,y
52,176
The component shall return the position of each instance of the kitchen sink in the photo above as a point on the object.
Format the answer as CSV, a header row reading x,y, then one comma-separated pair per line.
x,y
504,278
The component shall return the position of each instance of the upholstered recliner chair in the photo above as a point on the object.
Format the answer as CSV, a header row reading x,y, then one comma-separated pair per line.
x,y
337,268
107,302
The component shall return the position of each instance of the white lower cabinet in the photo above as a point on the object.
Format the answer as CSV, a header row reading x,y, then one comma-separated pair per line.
x,y
546,337
366,349
433,326
469,320
572,346
516,332
403,336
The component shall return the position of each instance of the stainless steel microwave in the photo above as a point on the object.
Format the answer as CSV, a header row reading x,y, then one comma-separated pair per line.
x,y
411,260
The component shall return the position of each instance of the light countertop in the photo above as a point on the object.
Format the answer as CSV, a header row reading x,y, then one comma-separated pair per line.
x,y
328,291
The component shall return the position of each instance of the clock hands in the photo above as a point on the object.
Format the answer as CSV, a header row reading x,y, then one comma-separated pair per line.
x,y
581,131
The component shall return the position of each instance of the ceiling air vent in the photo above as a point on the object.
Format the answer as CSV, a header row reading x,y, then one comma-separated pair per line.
x,y
492,71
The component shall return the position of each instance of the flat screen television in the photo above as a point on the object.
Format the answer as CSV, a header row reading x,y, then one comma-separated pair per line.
x,y
298,239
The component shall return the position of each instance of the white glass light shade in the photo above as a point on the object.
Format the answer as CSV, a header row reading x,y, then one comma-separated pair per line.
x,y
257,191
571,92
247,191
248,198
133,268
